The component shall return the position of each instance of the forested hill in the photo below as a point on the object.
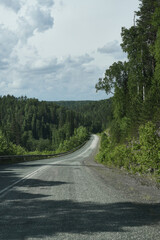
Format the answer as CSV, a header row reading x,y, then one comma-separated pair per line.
x,y
97,113
36,125
42,125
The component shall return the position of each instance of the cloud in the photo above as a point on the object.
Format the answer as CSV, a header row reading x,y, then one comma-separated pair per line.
x,y
8,41
3,64
70,78
17,84
18,75
34,19
112,48
84,59
56,67
46,3
15,5
25,29
41,19
72,63
46,69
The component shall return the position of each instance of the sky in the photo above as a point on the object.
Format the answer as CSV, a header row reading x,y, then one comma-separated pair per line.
x,y
58,49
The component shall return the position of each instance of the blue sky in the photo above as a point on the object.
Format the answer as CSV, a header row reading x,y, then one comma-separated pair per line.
x,y
57,49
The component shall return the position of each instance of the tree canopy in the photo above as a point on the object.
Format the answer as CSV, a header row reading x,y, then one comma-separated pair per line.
x,y
135,84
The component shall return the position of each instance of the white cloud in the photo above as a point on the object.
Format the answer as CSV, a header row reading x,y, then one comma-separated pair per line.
x,y
25,29
70,78
34,19
47,3
41,19
85,59
17,84
8,41
110,48
113,48
15,5
48,68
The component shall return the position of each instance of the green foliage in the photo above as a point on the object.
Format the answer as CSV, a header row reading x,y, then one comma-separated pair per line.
x,y
97,115
114,155
105,148
136,100
115,77
149,147
141,155
136,97
18,150
5,147
44,152
43,126
79,137
124,126
156,80
8,148
37,125
136,84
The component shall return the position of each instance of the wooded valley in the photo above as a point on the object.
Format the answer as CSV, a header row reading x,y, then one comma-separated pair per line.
x,y
46,126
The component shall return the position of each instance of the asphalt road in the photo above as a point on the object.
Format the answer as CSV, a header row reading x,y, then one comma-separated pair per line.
x,y
71,197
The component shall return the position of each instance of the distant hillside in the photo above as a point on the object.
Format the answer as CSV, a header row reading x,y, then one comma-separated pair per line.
x,y
39,125
74,105
99,113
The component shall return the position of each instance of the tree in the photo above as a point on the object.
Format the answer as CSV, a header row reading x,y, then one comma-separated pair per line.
x,y
136,84
115,77
116,80
138,42
156,51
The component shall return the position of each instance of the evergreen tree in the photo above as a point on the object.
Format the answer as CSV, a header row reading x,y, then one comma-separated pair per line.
x,y
135,84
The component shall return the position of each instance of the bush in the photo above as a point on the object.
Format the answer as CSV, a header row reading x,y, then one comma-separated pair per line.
x,y
8,148
141,155
149,156
79,137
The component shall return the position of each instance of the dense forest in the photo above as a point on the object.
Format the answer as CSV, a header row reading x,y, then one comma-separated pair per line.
x,y
37,126
98,114
133,139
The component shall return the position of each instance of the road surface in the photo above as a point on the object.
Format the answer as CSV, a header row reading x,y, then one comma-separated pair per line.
x,y
72,197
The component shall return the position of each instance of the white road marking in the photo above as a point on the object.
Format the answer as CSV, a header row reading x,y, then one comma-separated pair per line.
x,y
7,189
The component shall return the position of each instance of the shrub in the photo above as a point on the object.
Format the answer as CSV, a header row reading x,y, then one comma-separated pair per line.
x,y
149,156
141,155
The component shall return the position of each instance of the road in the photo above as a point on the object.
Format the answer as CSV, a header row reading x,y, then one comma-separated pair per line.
x,y
72,197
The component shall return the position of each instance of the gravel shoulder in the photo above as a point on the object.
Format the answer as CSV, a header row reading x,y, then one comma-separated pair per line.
x,y
134,187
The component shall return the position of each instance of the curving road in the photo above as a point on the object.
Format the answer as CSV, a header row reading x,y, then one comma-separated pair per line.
x,y
72,197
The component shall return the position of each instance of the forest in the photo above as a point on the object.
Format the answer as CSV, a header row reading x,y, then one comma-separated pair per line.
x,y
98,114
133,142
29,125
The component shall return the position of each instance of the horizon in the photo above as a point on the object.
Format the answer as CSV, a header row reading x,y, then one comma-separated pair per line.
x,y
84,100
